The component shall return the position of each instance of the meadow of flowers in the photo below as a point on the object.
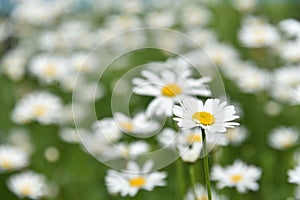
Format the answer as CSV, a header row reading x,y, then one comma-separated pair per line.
x,y
150,99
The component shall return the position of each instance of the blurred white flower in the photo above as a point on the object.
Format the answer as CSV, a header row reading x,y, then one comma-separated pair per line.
x,y
240,175
28,185
190,153
167,138
294,175
165,19
168,87
235,136
245,5
51,154
202,194
273,108
296,95
194,15
48,68
14,63
83,62
126,150
42,107
108,128
284,82
204,37
70,135
213,115
256,33
131,7
291,27
39,12
134,180
289,51
221,54
12,158
20,138
123,22
283,138
140,124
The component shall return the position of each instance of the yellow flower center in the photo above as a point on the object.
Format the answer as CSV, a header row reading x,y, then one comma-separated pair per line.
x,y
26,190
204,118
39,110
236,178
137,182
171,90
194,138
6,164
127,126
202,198
50,70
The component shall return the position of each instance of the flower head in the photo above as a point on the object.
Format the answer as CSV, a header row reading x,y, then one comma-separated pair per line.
x,y
283,138
239,175
213,115
12,158
134,179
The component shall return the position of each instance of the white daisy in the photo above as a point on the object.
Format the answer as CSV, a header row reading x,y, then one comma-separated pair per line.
x,y
70,135
236,136
139,124
213,115
108,128
12,158
39,106
201,194
134,179
167,138
168,87
245,5
28,185
256,33
164,19
291,27
288,51
195,15
48,68
81,62
283,138
240,175
294,175
296,95
127,151
190,153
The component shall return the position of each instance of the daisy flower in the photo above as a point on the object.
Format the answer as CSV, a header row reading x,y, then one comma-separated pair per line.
x,y
135,179
236,136
240,175
283,138
108,128
28,185
291,27
213,115
201,194
294,175
168,87
12,158
190,153
296,95
139,124
42,107
48,68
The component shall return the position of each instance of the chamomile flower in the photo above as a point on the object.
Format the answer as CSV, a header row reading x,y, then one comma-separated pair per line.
x,y
236,136
167,138
283,138
41,106
202,194
245,5
291,27
213,115
139,124
168,88
195,15
190,153
240,175
12,158
134,179
28,185
48,68
256,33
294,175
126,150
108,128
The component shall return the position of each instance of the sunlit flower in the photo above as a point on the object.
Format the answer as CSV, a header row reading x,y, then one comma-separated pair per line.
x,y
240,175
294,175
139,124
283,138
12,158
168,87
213,115
201,194
28,184
39,106
135,179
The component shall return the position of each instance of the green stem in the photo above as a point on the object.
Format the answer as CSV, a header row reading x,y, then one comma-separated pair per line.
x,y
193,179
206,166
181,182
